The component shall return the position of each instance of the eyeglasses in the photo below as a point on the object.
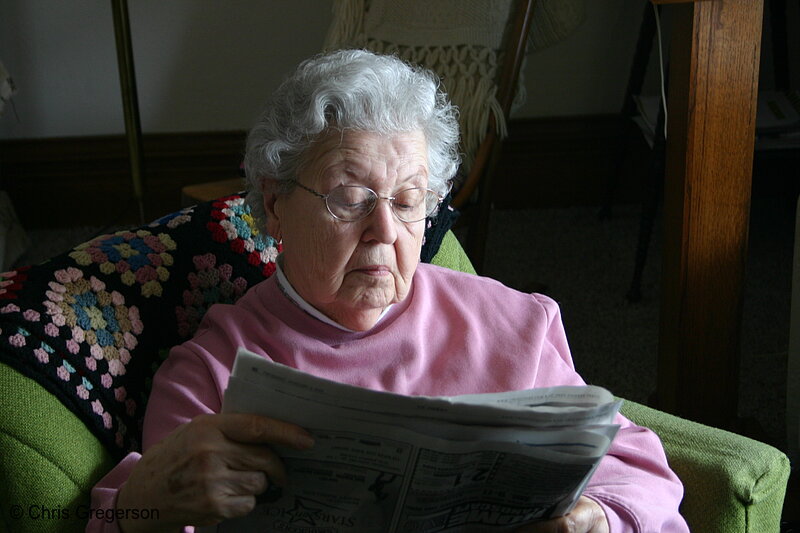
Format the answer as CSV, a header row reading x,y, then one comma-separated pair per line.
x,y
351,203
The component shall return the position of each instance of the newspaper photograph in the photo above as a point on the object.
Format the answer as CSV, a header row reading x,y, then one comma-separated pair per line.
x,y
385,462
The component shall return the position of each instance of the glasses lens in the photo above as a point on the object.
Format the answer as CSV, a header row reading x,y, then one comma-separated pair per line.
x,y
412,205
432,201
409,205
349,202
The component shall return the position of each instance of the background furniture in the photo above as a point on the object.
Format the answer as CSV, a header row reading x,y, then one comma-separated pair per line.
x,y
652,128
54,443
776,126
205,192
713,83
478,182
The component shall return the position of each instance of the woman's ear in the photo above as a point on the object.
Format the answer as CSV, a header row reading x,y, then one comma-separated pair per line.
x,y
270,198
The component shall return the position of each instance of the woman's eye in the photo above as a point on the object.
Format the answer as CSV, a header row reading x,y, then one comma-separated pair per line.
x,y
351,209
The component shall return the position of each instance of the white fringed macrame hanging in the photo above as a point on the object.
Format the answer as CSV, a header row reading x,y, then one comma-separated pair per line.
x,y
460,40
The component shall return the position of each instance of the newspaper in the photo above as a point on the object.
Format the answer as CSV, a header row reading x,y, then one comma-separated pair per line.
x,y
385,462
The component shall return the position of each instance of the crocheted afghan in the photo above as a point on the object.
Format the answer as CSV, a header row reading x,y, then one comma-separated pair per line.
x,y
93,324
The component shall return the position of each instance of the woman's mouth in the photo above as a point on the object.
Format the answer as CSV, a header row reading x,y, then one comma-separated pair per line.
x,y
374,270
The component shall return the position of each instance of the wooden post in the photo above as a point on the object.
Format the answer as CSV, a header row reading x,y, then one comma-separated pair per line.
x,y
709,158
130,99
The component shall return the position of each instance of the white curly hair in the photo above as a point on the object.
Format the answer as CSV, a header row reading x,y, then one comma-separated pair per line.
x,y
349,89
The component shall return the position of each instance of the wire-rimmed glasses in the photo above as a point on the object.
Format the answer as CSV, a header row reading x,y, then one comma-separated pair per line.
x,y
351,203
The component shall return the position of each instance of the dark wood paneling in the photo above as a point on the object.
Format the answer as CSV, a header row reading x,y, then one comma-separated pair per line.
x,y
86,180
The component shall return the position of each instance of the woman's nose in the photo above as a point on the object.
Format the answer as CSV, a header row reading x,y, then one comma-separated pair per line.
x,y
382,223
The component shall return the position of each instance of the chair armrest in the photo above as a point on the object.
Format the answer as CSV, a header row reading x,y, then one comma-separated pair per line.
x,y
49,460
732,483
451,255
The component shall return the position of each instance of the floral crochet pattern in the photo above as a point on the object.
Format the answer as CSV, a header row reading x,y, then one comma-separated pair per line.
x,y
209,285
46,355
138,257
231,221
84,313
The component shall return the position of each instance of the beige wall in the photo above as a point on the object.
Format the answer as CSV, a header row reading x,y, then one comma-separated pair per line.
x,y
207,65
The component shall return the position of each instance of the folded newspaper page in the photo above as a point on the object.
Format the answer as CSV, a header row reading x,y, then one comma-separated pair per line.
x,y
385,462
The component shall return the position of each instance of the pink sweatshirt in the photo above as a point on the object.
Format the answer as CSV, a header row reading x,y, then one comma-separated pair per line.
x,y
454,334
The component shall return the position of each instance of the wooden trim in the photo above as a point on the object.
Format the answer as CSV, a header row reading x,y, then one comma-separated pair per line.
x,y
205,192
159,148
73,181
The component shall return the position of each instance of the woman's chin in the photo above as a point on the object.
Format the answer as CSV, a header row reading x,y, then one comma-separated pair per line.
x,y
364,309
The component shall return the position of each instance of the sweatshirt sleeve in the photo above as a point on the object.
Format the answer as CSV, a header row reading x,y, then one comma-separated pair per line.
x,y
104,494
633,483
183,388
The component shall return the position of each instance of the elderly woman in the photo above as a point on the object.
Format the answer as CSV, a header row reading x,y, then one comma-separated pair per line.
x,y
353,153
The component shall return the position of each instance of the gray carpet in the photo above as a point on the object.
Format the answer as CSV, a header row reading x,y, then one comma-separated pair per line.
x,y
586,264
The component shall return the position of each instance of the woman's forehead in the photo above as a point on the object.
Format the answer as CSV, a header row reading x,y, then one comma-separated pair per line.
x,y
359,152
359,144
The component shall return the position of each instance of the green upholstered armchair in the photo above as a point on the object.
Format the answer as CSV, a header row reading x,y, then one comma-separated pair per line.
x,y
81,334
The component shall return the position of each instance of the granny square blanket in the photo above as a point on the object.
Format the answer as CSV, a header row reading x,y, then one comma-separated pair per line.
x,y
93,324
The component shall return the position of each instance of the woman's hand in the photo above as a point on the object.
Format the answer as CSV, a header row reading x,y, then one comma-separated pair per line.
x,y
586,517
208,470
